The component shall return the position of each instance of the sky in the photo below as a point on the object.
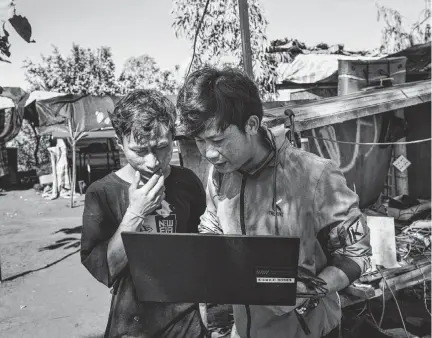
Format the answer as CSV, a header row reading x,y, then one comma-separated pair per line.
x,y
136,27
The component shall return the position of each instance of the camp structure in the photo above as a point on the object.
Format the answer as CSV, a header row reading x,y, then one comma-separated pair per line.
x,y
341,102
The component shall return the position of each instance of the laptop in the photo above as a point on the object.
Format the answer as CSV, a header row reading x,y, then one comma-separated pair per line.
x,y
220,269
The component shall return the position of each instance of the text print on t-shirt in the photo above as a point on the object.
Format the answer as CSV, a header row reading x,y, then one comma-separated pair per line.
x,y
162,220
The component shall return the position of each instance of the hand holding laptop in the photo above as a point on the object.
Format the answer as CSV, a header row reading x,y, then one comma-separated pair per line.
x,y
143,200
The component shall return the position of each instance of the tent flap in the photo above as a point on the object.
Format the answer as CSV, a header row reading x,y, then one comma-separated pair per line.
x,y
86,112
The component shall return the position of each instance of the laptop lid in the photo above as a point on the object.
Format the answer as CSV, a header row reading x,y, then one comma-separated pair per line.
x,y
221,269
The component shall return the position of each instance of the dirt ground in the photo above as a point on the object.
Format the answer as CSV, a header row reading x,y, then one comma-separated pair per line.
x,y
62,300
46,292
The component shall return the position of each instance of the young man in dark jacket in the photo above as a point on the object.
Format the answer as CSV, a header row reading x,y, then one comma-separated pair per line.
x,y
136,198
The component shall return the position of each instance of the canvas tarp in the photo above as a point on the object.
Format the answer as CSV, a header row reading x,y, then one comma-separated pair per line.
x,y
87,113
90,113
11,112
321,68
314,68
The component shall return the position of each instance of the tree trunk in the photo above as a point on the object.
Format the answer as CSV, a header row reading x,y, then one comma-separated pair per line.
x,y
37,136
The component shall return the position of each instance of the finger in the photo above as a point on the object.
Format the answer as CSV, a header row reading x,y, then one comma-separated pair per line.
x,y
152,182
158,186
136,179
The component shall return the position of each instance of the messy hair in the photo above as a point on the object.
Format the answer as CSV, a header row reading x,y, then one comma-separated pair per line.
x,y
228,96
141,113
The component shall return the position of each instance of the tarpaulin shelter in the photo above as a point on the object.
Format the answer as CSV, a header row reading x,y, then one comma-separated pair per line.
x,y
323,71
87,113
73,117
312,69
12,102
301,66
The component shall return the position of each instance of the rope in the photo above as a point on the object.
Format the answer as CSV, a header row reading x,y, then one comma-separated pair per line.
x,y
370,143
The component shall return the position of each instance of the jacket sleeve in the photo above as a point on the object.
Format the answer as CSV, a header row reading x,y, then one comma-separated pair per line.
x,y
340,224
94,239
209,220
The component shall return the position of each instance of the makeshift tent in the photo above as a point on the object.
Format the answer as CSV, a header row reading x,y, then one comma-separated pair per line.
x,y
302,67
12,101
75,115
86,112
12,104
312,69
327,71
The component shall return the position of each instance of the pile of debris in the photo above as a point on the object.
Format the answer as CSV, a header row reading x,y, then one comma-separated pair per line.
x,y
285,50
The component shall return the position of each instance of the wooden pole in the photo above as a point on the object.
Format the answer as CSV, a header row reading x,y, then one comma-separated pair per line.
x,y
73,140
245,34
73,173
401,177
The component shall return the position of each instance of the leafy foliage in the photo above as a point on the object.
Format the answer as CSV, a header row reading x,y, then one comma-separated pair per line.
x,y
219,39
82,72
396,35
138,72
18,22
85,71
143,72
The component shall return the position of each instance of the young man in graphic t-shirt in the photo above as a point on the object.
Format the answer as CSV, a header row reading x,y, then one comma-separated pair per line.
x,y
146,195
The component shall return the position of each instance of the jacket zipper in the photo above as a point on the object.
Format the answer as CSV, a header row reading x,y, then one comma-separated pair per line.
x,y
243,230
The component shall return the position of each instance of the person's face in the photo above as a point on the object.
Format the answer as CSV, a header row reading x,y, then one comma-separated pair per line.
x,y
151,154
228,151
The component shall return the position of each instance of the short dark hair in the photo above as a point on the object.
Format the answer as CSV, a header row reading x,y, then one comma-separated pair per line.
x,y
228,95
140,112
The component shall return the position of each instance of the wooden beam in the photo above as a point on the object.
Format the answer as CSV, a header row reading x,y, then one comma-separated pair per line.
x,y
353,295
408,279
245,34
338,109
98,134
292,85
417,263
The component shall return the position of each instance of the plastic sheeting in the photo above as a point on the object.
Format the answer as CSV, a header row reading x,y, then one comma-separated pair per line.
x,y
11,118
87,113
313,68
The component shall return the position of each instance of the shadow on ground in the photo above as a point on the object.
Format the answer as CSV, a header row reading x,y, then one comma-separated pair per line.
x,y
67,242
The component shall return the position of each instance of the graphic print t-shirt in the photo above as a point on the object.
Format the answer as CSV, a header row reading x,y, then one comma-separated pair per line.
x,y
161,220
105,205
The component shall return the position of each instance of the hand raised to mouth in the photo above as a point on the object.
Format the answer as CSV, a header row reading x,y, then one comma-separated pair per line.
x,y
143,200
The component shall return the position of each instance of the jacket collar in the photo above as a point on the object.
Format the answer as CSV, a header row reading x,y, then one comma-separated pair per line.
x,y
277,141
